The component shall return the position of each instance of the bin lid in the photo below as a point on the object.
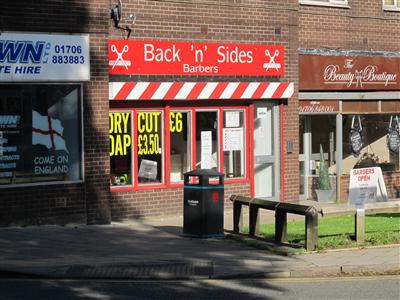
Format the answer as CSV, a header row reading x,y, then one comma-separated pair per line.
x,y
204,172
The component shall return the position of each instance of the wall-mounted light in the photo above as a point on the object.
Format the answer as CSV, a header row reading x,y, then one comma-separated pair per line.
x,y
116,16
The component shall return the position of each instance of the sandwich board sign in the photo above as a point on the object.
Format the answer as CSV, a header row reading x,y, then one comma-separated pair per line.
x,y
366,186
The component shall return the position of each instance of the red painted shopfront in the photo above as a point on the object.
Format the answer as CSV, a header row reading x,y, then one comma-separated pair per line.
x,y
161,129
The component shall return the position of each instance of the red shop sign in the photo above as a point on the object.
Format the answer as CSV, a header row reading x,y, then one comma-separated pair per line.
x,y
186,58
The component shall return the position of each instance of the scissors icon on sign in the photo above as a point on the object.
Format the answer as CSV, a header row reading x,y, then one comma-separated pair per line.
x,y
120,60
272,63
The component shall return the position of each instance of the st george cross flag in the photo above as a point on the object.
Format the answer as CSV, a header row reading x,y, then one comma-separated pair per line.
x,y
48,132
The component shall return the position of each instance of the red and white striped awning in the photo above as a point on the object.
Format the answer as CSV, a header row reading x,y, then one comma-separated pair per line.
x,y
199,90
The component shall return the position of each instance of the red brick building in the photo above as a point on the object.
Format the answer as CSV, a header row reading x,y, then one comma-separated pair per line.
x,y
118,139
348,86
40,181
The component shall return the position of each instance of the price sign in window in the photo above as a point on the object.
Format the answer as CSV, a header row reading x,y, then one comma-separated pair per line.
x,y
179,128
120,148
149,146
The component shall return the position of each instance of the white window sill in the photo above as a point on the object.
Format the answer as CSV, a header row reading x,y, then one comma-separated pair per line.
x,y
391,8
315,3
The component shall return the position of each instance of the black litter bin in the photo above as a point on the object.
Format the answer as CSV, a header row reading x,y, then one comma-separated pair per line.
x,y
203,207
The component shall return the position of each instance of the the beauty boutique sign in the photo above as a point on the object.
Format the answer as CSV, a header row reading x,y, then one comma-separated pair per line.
x,y
319,72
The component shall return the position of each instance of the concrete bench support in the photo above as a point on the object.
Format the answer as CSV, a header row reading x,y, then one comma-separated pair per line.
x,y
238,202
281,227
359,225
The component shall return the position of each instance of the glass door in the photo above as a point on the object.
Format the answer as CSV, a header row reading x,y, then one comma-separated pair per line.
x,y
266,151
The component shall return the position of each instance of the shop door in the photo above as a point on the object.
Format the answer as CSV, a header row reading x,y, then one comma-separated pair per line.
x,y
266,150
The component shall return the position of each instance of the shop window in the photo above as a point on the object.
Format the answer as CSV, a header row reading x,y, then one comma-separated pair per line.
x,y
40,134
120,124
323,133
391,5
233,139
192,137
150,146
207,140
180,150
374,150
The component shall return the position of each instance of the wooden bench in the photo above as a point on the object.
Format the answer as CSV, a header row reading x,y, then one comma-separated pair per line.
x,y
281,210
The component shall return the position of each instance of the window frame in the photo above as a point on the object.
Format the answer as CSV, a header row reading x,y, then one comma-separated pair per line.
x,y
189,111
165,110
245,150
163,182
330,3
82,140
392,8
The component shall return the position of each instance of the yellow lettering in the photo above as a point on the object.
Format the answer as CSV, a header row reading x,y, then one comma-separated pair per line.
x,y
118,146
149,122
117,123
175,122
141,117
127,142
111,121
125,119
156,114
178,121
111,145
171,122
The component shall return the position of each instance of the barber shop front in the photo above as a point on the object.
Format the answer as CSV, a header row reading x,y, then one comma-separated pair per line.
x,y
349,106
183,118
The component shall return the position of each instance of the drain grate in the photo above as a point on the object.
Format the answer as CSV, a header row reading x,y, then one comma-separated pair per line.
x,y
169,270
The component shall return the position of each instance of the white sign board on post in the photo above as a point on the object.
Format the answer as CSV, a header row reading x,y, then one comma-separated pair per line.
x,y
366,186
44,57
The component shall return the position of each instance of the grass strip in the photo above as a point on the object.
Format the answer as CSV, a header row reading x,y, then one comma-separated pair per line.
x,y
338,232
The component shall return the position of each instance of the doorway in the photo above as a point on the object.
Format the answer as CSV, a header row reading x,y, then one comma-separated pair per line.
x,y
266,151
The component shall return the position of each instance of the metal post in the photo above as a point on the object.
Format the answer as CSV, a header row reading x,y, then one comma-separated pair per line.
x,y
339,154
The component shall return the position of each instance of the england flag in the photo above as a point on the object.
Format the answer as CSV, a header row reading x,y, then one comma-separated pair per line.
x,y
48,132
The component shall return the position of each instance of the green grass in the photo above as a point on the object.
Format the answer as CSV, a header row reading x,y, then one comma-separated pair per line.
x,y
338,232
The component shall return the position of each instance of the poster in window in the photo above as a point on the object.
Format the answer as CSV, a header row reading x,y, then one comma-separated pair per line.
x,y
41,138
206,149
232,139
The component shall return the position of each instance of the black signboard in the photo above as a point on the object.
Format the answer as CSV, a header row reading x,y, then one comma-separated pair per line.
x,y
393,136
393,140
355,139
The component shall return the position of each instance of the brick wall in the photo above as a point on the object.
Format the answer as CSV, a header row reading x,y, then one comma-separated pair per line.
x,y
363,26
161,202
88,202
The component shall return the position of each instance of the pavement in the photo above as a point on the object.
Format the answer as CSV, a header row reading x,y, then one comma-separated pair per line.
x,y
155,249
